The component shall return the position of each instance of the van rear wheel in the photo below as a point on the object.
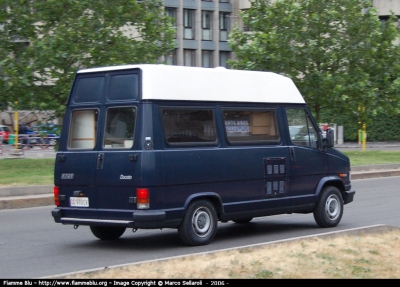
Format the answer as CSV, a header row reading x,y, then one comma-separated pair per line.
x,y
107,233
329,209
199,224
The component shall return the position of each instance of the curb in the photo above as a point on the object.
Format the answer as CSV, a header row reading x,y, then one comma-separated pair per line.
x,y
374,174
14,202
25,190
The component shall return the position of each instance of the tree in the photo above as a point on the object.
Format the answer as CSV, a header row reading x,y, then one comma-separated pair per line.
x,y
44,43
342,58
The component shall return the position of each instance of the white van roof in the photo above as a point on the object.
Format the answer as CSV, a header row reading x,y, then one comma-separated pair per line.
x,y
166,82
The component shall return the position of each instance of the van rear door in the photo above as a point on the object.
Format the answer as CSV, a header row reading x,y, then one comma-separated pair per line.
x,y
115,160
95,163
75,172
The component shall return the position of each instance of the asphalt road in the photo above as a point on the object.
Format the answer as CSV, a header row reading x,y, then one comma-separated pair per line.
x,y
32,245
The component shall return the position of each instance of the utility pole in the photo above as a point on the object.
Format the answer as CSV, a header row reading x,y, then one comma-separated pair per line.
x,y
16,125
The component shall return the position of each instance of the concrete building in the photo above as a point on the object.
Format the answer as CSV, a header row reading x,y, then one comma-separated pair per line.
x,y
203,26
202,29
385,7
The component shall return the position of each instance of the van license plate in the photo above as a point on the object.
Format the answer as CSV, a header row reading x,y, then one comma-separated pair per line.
x,y
79,201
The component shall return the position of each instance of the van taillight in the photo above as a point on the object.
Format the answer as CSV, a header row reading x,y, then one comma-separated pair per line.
x,y
56,195
142,198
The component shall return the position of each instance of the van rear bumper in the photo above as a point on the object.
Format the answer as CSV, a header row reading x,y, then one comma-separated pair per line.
x,y
146,219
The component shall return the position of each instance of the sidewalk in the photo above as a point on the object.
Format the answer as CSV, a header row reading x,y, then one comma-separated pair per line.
x,y
369,146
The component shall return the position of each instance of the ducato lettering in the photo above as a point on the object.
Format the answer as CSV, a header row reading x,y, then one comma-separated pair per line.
x,y
162,146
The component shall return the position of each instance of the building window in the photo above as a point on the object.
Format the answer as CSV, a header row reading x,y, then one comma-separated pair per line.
x,y
207,60
188,24
223,58
170,59
223,26
189,58
224,1
171,12
206,25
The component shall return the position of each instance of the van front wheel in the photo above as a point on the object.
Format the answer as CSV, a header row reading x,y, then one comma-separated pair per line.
x,y
329,209
199,224
107,233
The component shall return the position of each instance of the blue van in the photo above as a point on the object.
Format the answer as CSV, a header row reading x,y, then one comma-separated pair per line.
x,y
157,146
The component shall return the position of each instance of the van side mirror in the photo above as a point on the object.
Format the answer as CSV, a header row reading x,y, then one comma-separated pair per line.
x,y
329,140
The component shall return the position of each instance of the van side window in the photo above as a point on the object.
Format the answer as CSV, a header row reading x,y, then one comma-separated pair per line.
x,y
188,125
301,130
251,126
83,129
119,129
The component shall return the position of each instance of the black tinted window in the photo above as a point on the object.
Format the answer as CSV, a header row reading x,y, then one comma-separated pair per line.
x,y
189,126
88,90
123,87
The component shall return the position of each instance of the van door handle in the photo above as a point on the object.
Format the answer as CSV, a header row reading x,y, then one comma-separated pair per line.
x,y
100,160
292,154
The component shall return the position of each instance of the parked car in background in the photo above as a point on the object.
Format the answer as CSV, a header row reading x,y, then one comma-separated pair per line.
x,y
48,132
4,133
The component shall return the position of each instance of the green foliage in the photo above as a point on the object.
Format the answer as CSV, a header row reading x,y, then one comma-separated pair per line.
x,y
380,127
65,36
342,58
384,127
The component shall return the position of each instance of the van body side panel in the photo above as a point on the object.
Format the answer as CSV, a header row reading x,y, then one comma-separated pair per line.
x,y
241,187
308,168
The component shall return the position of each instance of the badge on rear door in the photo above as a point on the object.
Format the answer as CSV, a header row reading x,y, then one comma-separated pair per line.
x,y
67,176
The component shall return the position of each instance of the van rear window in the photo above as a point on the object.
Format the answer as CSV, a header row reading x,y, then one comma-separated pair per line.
x,y
188,125
88,90
250,126
119,129
83,129
123,87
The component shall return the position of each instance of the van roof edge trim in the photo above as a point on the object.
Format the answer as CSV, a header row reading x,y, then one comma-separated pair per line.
x,y
166,82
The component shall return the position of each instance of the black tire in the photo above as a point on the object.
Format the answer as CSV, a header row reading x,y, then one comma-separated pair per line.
x,y
329,209
243,221
199,224
107,233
